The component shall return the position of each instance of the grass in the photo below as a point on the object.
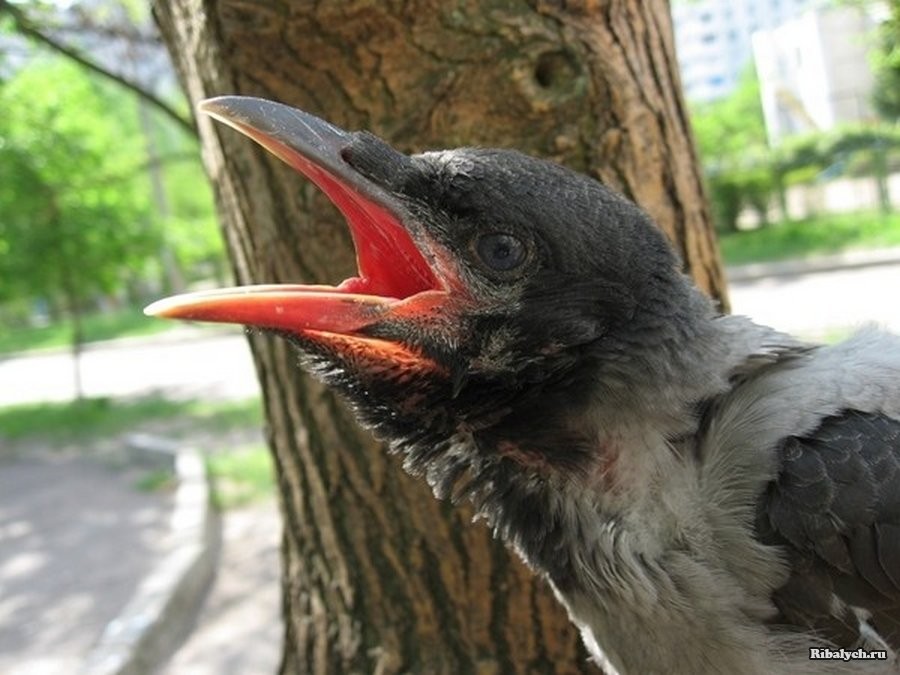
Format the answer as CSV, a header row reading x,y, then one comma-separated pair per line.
x,y
82,419
159,480
101,326
241,477
816,236
94,417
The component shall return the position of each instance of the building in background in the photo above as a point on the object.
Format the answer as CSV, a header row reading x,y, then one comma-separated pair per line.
x,y
713,39
814,71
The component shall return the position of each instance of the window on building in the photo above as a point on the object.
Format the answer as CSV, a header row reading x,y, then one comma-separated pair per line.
x,y
708,38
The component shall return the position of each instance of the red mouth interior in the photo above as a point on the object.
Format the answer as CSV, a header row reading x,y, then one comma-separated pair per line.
x,y
390,265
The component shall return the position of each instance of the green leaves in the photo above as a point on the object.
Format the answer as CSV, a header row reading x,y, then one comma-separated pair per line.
x,y
742,171
80,213
727,129
731,138
887,66
63,224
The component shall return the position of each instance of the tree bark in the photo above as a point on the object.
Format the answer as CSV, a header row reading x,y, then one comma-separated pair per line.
x,y
378,576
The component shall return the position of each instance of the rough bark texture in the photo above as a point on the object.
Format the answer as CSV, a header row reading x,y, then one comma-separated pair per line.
x,y
379,576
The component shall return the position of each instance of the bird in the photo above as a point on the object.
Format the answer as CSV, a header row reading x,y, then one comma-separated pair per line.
x,y
702,493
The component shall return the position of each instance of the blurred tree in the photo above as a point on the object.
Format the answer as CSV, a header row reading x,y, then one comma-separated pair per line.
x,y
189,224
731,138
116,43
887,65
726,128
112,25
378,576
73,198
857,149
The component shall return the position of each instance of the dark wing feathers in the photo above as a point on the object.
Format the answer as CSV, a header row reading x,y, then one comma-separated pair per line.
x,y
835,508
889,536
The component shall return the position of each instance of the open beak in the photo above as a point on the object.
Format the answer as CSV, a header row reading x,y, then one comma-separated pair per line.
x,y
394,278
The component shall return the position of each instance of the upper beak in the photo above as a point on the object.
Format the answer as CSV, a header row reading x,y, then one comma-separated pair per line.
x,y
392,270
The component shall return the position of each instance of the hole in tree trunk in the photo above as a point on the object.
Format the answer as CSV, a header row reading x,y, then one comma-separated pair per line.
x,y
556,71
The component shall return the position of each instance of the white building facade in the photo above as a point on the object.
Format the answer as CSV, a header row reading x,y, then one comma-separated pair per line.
x,y
814,71
713,39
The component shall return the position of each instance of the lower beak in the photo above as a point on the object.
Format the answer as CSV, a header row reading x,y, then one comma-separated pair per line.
x,y
294,308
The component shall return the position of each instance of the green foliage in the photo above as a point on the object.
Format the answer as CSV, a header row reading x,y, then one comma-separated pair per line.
x,y
859,149
820,150
825,234
241,477
726,129
74,215
187,216
158,480
224,416
190,227
742,171
731,138
81,419
887,66
95,417
94,184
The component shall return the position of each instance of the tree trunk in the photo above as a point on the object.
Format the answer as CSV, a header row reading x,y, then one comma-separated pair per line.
x,y
379,576
76,344
881,169
74,303
172,277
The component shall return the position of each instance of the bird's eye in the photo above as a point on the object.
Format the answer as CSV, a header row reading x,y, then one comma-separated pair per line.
x,y
500,252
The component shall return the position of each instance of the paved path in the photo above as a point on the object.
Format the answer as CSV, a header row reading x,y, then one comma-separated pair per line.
x,y
823,304
188,363
239,629
76,538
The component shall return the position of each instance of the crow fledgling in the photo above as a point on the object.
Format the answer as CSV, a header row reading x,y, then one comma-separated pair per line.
x,y
705,495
